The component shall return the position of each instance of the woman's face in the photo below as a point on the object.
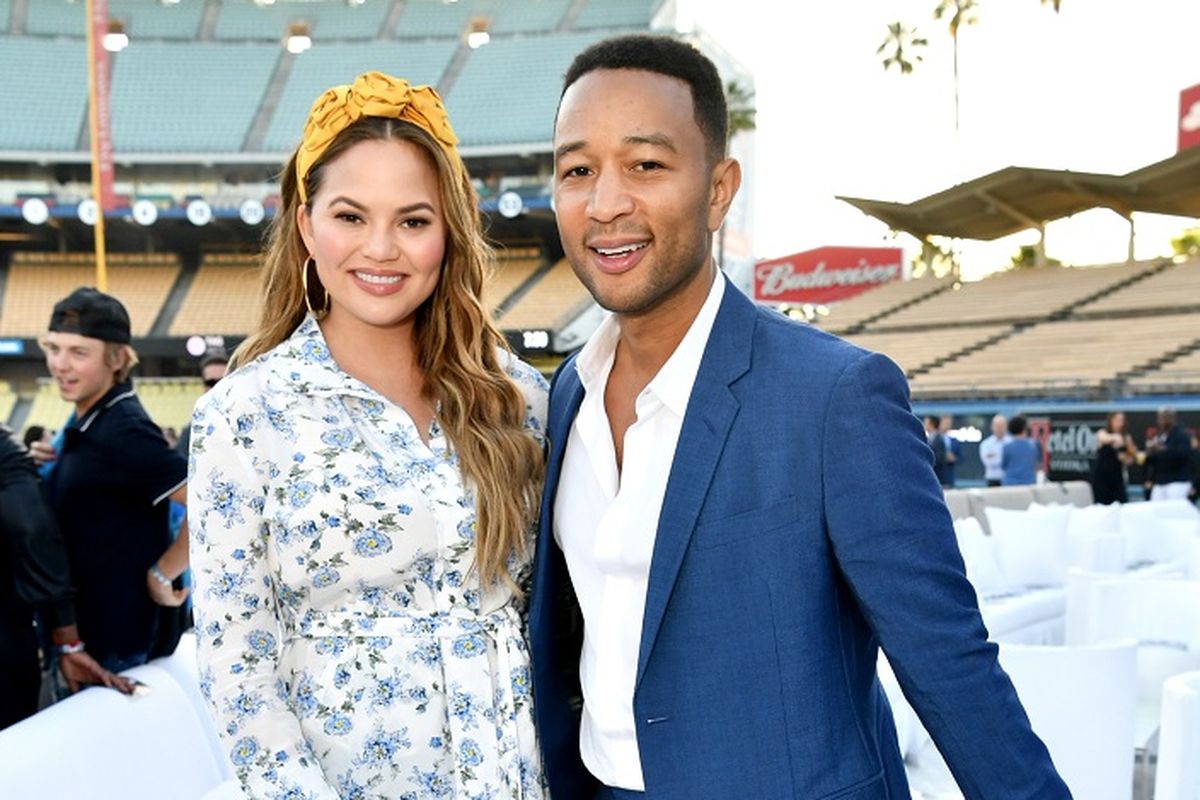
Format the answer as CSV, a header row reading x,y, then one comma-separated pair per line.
x,y
376,230
1118,423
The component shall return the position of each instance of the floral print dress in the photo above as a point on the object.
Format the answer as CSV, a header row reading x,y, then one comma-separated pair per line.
x,y
346,647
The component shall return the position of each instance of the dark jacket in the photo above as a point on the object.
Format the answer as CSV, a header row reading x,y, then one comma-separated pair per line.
x,y
1173,463
33,560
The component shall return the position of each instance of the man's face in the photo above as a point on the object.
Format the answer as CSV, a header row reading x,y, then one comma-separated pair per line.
x,y
78,366
999,427
212,374
634,192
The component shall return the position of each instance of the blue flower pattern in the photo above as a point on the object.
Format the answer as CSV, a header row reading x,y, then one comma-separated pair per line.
x,y
347,648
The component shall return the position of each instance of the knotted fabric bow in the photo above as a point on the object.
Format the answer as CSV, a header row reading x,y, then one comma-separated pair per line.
x,y
372,94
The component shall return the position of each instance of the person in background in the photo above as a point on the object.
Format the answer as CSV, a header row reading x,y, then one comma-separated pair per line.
x,y
212,369
1170,456
34,576
937,443
35,433
1114,452
109,485
953,452
1021,456
991,450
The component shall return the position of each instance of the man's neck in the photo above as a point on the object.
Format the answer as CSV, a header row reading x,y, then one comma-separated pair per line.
x,y
648,339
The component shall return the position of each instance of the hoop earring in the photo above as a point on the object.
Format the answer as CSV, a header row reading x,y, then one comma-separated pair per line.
x,y
318,315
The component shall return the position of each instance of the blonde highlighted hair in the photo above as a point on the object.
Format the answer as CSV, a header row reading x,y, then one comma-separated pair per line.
x,y
481,409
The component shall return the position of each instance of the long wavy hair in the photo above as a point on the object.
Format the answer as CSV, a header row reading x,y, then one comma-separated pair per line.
x,y
481,409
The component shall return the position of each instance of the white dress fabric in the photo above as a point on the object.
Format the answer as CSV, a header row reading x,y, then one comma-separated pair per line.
x,y
345,646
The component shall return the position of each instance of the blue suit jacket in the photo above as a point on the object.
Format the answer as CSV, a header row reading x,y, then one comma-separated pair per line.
x,y
802,528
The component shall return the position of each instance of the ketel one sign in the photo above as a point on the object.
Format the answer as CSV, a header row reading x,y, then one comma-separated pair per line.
x,y
826,275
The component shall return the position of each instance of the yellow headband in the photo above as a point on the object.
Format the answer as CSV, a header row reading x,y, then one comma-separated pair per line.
x,y
372,94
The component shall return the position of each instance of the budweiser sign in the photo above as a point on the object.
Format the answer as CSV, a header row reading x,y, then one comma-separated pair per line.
x,y
827,274
1189,117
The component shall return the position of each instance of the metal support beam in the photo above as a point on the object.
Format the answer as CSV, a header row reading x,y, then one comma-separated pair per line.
x,y
1009,211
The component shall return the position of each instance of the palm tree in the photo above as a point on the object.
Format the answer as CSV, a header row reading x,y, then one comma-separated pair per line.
x,y
741,108
960,12
902,42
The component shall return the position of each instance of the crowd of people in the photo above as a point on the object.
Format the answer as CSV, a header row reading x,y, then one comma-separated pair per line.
x,y
418,570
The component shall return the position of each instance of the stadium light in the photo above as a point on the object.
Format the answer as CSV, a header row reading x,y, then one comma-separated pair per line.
x,y
298,39
477,33
355,3
264,2
116,39
169,2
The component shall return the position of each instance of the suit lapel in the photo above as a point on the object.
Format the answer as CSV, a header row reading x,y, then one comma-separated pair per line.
x,y
711,411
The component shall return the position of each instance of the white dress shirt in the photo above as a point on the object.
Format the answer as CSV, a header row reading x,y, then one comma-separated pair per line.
x,y
991,450
606,522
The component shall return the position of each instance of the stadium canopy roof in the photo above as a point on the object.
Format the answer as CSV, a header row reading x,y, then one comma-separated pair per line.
x,y
1016,198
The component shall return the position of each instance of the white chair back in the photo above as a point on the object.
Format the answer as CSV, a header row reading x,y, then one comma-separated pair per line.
x,y
1178,773
1080,701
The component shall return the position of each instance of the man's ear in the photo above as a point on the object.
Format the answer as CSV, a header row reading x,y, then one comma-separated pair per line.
x,y
725,182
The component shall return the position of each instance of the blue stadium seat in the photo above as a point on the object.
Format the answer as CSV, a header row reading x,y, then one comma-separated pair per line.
x,y
615,14
5,10
55,18
210,112
528,16
243,19
480,103
433,18
328,64
44,110
152,20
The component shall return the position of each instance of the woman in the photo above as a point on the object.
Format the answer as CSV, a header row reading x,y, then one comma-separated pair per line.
x,y
366,481
1114,451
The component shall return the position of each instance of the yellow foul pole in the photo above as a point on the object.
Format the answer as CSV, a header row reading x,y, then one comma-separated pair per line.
x,y
97,12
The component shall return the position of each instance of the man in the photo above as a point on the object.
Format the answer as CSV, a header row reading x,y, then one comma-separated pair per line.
x,y
1021,456
212,369
1170,456
744,506
34,575
953,451
937,445
110,482
991,450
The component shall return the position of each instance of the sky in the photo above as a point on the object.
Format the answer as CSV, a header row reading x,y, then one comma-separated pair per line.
x,y
1093,88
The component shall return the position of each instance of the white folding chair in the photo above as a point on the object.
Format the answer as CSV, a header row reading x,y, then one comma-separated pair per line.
x,y
1178,773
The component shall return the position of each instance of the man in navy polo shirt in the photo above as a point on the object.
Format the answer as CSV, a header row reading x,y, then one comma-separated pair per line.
x,y
110,483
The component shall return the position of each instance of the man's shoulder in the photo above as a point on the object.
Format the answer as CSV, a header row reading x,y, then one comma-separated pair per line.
x,y
781,343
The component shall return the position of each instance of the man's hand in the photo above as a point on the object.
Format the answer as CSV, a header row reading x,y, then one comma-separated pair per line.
x,y
41,452
164,593
80,669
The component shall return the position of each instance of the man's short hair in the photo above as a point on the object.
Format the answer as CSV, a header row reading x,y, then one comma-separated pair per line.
x,y
1016,425
933,419
670,57
214,358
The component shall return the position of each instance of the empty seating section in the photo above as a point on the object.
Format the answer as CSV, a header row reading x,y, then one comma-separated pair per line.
x,y
8,401
37,280
200,114
43,110
913,350
244,19
481,101
48,409
55,18
425,18
418,62
1069,354
615,14
169,401
1024,294
513,268
155,20
873,302
1181,374
529,16
549,303
223,298
5,11
1176,286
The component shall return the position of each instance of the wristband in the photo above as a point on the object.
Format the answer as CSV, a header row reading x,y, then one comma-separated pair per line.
x,y
158,575
66,648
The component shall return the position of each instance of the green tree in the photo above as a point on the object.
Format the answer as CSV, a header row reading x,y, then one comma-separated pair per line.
x,y
1187,243
741,108
903,48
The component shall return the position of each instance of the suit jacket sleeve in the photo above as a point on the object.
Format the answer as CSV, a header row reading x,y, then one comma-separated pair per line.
x,y
894,542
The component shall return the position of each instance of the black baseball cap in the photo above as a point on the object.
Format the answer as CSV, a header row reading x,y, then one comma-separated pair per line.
x,y
91,313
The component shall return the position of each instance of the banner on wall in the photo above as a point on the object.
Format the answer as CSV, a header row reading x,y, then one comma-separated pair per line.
x,y
826,274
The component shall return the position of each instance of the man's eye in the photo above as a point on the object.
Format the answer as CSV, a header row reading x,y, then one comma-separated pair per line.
x,y
575,172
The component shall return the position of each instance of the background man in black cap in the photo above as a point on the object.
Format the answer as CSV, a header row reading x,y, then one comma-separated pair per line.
x,y
110,484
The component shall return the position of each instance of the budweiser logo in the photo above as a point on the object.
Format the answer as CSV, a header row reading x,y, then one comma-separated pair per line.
x,y
776,279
